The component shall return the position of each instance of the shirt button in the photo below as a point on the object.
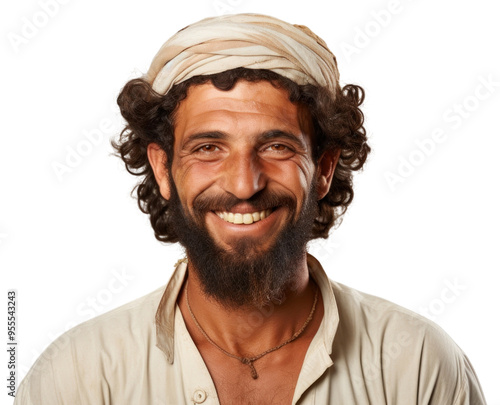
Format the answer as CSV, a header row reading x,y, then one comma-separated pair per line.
x,y
199,396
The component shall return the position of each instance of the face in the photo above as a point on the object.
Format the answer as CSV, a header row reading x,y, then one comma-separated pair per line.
x,y
243,177
239,143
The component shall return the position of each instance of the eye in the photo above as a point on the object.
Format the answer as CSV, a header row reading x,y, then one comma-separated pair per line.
x,y
277,147
207,149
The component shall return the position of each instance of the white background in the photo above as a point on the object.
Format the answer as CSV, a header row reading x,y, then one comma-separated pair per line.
x,y
74,245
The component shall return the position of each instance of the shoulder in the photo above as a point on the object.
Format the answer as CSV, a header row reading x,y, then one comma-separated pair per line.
x,y
371,313
90,350
125,325
388,324
397,347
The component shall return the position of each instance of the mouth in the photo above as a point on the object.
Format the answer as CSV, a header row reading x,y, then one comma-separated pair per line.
x,y
247,218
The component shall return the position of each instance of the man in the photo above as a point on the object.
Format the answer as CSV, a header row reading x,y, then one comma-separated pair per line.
x,y
245,143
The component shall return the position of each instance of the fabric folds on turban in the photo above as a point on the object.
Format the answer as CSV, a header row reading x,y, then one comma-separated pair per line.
x,y
252,41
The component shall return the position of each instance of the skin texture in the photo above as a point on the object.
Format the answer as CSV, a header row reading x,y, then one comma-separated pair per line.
x,y
241,142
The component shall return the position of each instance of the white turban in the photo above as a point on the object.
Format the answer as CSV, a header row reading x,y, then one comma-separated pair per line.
x,y
252,41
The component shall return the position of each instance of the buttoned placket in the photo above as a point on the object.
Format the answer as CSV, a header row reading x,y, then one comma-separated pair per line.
x,y
199,387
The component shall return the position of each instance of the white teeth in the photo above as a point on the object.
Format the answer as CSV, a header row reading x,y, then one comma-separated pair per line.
x,y
238,218
247,219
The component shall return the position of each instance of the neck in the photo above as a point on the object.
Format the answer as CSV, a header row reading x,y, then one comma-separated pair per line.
x,y
248,329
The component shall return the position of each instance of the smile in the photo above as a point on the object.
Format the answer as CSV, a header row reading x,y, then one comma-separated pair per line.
x,y
247,218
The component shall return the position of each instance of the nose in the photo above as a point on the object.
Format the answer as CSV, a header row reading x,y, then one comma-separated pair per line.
x,y
243,175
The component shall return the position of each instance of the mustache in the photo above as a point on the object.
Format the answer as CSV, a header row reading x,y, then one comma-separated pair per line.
x,y
260,201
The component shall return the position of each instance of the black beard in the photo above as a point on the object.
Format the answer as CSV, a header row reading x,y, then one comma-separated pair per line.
x,y
246,275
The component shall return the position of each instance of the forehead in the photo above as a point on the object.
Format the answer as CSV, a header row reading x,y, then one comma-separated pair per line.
x,y
248,106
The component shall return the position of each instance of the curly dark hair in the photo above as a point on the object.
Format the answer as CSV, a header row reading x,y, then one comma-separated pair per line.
x,y
338,124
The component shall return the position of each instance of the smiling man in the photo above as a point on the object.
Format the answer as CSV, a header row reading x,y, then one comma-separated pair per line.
x,y
246,144
244,187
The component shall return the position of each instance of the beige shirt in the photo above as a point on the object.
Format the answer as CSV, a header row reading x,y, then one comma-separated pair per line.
x,y
366,351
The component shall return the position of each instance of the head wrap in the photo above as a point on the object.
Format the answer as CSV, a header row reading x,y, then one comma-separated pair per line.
x,y
252,41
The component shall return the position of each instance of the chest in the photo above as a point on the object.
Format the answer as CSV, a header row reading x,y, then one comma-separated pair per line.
x,y
277,372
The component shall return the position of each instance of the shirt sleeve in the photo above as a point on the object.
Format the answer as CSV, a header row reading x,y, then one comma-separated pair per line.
x,y
446,375
52,379
37,388
471,392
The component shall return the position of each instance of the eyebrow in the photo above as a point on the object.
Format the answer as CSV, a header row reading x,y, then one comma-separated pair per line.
x,y
204,135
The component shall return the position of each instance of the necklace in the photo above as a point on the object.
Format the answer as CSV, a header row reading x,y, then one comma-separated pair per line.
x,y
250,360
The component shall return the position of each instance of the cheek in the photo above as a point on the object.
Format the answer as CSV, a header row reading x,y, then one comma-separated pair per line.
x,y
193,179
294,177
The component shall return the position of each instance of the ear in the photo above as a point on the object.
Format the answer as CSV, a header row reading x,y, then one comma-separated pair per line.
x,y
326,167
158,161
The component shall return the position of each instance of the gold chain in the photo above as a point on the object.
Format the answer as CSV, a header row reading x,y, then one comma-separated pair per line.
x,y
250,360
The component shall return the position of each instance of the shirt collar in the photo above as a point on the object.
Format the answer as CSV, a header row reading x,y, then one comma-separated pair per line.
x,y
165,314
330,322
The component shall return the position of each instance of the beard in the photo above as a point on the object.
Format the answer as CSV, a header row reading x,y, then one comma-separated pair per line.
x,y
248,274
